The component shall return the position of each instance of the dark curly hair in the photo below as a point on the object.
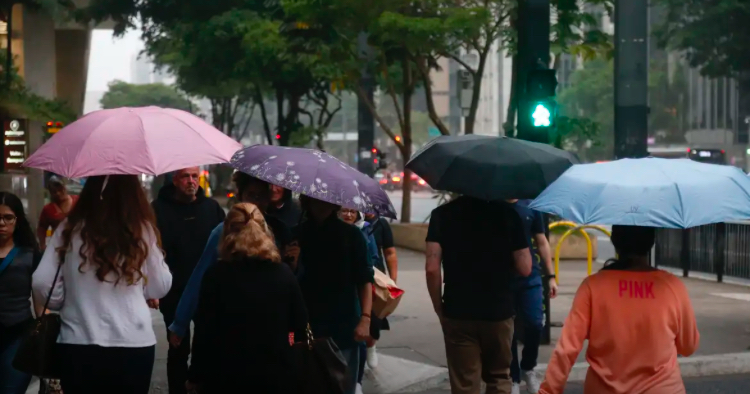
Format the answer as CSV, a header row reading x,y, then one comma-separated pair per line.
x,y
23,235
113,220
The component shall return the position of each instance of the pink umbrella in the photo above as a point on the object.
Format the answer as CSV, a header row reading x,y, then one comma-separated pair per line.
x,y
132,141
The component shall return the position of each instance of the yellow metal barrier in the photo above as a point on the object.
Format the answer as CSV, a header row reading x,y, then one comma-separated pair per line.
x,y
582,229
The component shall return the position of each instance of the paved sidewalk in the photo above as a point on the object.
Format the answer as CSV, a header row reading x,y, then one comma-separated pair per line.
x,y
729,384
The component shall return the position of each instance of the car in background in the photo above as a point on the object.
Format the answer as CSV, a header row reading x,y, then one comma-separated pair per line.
x,y
417,183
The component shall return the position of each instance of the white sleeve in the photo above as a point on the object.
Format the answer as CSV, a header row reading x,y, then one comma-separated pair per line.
x,y
158,277
41,281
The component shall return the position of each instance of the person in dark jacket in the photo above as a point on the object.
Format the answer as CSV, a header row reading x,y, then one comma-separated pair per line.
x,y
185,217
20,257
249,303
336,280
283,206
251,190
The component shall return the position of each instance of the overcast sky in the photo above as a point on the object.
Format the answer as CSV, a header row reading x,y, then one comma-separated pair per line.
x,y
110,58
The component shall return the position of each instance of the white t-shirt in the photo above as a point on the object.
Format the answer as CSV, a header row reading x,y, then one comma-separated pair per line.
x,y
101,313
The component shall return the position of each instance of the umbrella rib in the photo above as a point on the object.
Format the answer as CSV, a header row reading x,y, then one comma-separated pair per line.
x,y
80,151
679,197
148,149
196,131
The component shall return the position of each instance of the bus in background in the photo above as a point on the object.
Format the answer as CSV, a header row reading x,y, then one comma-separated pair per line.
x,y
712,156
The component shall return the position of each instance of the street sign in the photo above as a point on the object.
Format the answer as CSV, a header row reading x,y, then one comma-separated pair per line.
x,y
433,131
15,145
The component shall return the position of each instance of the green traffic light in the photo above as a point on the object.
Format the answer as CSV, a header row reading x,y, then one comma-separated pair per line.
x,y
541,116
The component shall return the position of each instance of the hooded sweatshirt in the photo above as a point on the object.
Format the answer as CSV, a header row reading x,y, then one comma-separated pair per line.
x,y
185,228
289,212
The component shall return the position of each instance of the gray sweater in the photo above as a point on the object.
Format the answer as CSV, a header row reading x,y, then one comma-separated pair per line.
x,y
15,289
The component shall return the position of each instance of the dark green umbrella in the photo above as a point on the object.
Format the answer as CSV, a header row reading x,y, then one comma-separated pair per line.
x,y
490,168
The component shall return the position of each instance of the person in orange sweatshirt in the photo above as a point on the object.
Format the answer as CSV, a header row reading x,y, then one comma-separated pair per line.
x,y
636,318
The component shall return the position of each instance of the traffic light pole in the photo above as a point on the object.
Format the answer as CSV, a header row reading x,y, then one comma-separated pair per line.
x,y
365,120
533,54
631,78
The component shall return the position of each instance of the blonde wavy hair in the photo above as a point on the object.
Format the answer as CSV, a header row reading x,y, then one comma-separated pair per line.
x,y
246,234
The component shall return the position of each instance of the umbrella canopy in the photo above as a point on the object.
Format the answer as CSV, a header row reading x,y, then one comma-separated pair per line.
x,y
315,174
490,168
668,193
133,141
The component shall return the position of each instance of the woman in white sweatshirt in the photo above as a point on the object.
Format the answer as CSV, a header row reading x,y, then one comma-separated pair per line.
x,y
112,265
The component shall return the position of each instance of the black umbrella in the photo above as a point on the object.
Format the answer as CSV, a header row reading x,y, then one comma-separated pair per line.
x,y
490,168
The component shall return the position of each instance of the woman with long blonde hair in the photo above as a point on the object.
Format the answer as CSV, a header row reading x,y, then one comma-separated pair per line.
x,y
101,266
249,303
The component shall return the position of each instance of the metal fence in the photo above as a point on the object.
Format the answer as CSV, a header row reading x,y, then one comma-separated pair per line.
x,y
720,249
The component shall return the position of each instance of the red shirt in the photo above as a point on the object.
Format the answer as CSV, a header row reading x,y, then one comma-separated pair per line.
x,y
52,215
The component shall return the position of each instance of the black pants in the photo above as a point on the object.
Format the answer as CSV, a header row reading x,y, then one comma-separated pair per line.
x,y
88,369
177,357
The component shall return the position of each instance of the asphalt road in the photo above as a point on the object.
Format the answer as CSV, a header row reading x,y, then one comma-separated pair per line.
x,y
729,384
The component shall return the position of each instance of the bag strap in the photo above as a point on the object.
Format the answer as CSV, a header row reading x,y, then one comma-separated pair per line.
x,y
8,259
54,282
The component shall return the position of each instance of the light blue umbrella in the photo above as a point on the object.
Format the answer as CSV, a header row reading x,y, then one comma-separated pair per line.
x,y
668,193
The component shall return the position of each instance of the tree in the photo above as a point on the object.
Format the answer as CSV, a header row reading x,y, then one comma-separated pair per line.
x,y
713,35
19,100
477,28
587,108
123,94
235,53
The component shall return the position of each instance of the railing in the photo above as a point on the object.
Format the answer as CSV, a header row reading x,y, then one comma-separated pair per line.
x,y
721,249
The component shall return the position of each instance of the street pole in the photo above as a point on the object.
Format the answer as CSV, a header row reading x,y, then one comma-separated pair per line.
x,y
365,120
533,53
631,78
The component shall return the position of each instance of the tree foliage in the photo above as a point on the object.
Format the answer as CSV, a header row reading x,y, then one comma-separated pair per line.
x,y
714,35
17,98
123,94
587,107
238,54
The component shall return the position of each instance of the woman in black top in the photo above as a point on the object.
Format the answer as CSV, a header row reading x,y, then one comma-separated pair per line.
x,y
249,303
19,257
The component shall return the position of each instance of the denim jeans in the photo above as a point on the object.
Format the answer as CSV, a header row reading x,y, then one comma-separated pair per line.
x,y
530,312
12,381
352,361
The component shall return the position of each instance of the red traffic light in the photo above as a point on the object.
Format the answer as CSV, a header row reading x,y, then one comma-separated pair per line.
x,y
49,124
278,136
374,150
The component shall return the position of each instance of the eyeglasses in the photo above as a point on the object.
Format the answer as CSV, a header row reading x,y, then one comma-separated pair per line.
x,y
7,219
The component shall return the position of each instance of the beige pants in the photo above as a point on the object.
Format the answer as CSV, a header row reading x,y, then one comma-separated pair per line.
x,y
479,351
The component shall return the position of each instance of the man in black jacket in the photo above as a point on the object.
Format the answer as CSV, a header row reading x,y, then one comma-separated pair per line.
x,y
185,218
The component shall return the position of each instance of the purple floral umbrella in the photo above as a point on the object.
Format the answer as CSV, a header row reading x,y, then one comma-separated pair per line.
x,y
315,174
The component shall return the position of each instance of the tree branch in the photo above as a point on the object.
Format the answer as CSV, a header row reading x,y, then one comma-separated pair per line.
x,y
263,114
431,111
459,61
363,96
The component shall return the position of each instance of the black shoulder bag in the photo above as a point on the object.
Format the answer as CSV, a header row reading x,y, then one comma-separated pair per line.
x,y
37,354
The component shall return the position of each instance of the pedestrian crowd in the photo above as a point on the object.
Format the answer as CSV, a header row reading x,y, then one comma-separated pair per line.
x,y
282,294
248,280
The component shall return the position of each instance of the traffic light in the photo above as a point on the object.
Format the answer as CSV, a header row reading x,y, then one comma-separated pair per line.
x,y
537,114
53,127
379,159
